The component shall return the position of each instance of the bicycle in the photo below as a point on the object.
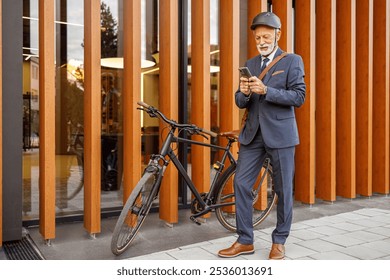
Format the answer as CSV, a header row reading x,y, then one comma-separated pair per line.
x,y
219,199
76,147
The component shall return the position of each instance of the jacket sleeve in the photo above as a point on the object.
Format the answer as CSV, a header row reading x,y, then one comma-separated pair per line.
x,y
242,100
294,92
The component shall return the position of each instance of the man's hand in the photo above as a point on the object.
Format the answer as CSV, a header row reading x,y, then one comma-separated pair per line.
x,y
257,86
244,86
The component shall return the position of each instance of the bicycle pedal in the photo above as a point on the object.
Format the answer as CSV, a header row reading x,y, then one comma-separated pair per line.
x,y
195,220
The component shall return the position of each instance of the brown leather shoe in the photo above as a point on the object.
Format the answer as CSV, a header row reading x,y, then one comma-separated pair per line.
x,y
236,249
277,252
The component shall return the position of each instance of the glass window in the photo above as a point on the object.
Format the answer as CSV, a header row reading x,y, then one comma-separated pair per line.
x,y
69,123
30,109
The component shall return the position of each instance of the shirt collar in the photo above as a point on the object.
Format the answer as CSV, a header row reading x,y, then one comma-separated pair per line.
x,y
271,55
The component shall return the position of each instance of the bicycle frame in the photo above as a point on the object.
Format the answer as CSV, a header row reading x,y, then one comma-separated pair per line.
x,y
166,150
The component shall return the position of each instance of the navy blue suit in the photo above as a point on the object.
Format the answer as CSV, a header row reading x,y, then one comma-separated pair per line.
x,y
270,131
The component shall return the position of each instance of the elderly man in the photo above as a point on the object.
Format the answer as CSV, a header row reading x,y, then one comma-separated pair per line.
x,y
269,131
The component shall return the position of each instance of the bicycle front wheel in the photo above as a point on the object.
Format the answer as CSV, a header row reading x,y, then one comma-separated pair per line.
x,y
263,201
133,213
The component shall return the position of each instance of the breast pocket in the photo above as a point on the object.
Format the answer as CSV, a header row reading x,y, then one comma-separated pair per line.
x,y
277,73
277,79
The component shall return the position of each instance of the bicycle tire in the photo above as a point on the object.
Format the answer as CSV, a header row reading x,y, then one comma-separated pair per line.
x,y
225,193
133,213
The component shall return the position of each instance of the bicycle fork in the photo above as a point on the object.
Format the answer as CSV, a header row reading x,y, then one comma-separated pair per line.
x,y
159,171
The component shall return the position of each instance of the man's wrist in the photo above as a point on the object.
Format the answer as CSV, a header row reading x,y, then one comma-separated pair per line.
x,y
265,89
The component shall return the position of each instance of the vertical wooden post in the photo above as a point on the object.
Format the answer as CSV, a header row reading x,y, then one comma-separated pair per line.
x,y
131,94
326,99
1,123
168,99
200,90
380,135
254,7
92,116
46,120
364,68
305,152
283,9
229,62
346,99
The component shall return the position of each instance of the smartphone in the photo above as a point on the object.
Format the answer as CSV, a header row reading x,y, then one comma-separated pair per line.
x,y
245,72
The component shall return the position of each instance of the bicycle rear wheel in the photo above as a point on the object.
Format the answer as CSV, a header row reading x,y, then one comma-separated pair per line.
x,y
263,201
133,213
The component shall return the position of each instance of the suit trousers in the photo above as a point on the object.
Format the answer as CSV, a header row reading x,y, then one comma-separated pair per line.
x,y
250,161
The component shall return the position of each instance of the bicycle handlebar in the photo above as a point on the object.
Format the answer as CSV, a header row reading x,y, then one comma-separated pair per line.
x,y
151,109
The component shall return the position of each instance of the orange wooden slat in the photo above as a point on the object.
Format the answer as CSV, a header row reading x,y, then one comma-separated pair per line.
x,y
92,116
364,68
168,99
346,99
254,8
131,94
1,125
229,63
380,134
326,99
200,90
46,120
283,8
305,151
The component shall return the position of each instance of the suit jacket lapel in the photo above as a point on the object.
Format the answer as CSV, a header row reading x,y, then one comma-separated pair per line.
x,y
269,74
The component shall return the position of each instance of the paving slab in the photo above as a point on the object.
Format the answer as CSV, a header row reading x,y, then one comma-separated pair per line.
x,y
343,240
305,234
295,251
347,226
368,223
327,230
332,255
381,245
362,252
320,245
380,230
365,235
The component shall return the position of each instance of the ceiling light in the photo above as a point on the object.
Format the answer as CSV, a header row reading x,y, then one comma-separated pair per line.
x,y
213,69
117,63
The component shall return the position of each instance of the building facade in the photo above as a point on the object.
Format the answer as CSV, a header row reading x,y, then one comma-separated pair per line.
x,y
72,73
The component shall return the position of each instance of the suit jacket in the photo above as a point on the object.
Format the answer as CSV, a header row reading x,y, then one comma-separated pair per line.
x,y
274,112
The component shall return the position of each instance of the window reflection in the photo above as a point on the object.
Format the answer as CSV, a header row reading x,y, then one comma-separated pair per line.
x,y
69,140
69,123
30,108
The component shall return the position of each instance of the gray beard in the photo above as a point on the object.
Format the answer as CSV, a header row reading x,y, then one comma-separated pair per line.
x,y
273,46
